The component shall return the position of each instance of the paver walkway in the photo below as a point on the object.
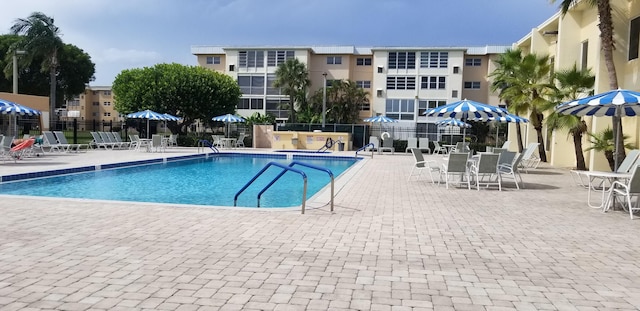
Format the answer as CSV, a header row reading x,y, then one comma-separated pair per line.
x,y
391,244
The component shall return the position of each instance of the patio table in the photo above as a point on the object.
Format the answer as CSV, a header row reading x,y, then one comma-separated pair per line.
x,y
602,176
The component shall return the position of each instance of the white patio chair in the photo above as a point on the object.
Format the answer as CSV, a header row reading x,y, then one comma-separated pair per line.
x,y
240,141
421,164
412,142
423,144
581,178
438,149
156,143
456,166
626,189
376,143
512,170
387,145
485,170
529,157
173,140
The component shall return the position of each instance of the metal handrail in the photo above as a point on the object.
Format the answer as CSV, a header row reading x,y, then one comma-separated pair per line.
x,y
205,143
328,171
286,168
365,147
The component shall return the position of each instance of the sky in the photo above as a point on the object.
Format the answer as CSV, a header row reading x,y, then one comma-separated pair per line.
x,y
125,34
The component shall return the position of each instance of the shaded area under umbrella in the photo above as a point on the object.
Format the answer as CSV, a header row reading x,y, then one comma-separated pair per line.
x,y
453,122
466,110
380,119
616,103
15,109
508,118
149,115
228,118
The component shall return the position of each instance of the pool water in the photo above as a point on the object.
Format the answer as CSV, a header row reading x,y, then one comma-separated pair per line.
x,y
211,181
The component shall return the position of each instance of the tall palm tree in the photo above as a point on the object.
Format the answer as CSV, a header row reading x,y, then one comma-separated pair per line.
x,y
571,83
41,37
293,77
529,89
506,66
608,45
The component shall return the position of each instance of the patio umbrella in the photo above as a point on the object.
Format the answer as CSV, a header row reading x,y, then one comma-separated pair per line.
x,y
147,114
380,119
466,110
228,118
508,118
453,122
169,118
618,103
14,109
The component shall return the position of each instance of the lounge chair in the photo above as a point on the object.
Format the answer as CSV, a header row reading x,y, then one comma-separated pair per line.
x,y
505,146
423,144
108,139
387,145
240,141
118,140
581,178
529,158
5,146
485,170
438,149
22,149
456,166
99,142
63,140
627,190
173,141
156,143
421,164
412,142
512,170
376,143
50,141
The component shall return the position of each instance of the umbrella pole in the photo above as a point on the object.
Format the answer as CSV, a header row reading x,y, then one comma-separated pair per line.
x,y
497,133
148,129
616,141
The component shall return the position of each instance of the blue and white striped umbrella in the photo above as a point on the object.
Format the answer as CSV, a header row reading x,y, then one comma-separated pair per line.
x,y
7,107
453,122
510,118
228,118
380,119
621,103
147,114
466,110
170,117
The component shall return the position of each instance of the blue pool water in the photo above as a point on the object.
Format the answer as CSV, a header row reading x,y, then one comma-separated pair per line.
x,y
211,181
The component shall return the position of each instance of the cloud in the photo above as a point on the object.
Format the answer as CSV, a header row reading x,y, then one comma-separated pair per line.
x,y
115,55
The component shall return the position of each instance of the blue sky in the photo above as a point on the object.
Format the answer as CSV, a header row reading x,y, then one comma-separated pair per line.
x,y
123,34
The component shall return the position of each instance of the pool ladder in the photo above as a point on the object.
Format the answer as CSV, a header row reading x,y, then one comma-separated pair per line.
x,y
287,168
203,143
365,147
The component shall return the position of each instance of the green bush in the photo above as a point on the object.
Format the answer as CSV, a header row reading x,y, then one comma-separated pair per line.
x,y
190,140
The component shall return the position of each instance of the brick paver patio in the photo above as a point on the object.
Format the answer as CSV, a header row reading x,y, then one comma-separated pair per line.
x,y
391,244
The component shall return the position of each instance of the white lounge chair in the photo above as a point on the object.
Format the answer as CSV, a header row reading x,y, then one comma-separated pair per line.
x,y
512,170
439,149
412,142
529,157
240,141
99,142
387,145
49,139
456,166
485,170
627,190
376,143
423,144
581,178
421,164
63,140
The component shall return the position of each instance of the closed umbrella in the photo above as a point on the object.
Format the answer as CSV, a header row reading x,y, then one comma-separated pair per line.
x,y
228,118
618,103
15,109
453,122
147,114
466,110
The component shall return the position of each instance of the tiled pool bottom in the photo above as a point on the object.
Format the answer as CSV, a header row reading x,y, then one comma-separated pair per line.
x,y
195,179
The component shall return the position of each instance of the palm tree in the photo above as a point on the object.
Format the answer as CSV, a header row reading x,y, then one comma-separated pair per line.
x,y
293,77
528,88
603,142
608,45
506,66
40,38
571,83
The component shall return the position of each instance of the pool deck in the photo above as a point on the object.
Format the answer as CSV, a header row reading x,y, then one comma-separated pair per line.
x,y
390,244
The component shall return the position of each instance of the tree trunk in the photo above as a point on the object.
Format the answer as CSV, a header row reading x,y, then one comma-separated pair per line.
x,y
606,39
519,138
52,91
541,151
609,156
577,144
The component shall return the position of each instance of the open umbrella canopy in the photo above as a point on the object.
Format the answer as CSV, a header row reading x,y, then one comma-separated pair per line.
x,y
7,107
621,103
170,117
147,114
453,122
466,110
380,119
228,118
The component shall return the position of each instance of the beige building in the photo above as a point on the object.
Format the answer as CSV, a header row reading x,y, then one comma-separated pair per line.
x,y
574,39
96,103
402,82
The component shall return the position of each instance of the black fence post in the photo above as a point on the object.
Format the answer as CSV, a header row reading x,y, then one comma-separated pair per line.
x,y
75,130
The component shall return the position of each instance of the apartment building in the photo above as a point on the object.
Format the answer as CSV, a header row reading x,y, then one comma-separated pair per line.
x,y
96,103
574,39
402,82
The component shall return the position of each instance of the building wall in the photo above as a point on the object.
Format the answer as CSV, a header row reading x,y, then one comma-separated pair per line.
x,y
35,102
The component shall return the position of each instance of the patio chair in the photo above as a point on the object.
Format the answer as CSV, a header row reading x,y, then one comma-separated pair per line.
x,y
627,190
581,178
156,143
376,143
421,164
412,142
99,142
387,145
118,140
50,141
173,140
423,144
216,141
107,138
437,149
63,140
529,158
456,166
512,170
485,170
240,141
5,146
504,146
22,149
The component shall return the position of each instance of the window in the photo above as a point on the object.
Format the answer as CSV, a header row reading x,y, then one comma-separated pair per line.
x,y
434,59
96,103
251,103
278,108
363,84
454,93
95,114
334,60
107,114
402,60
434,83
472,85
232,67
400,109
251,59
634,38
213,60
425,105
456,69
363,61
584,54
474,62
275,58
401,83
272,90
380,69
107,103
106,93
330,82
251,84
379,93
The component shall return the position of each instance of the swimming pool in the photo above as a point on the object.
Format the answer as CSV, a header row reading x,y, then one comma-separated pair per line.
x,y
212,180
